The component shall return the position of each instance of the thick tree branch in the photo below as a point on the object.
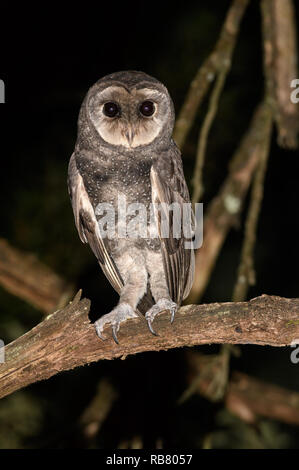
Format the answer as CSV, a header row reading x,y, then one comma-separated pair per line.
x,y
66,339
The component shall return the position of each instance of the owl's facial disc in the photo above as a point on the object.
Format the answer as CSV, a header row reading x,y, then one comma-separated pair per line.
x,y
128,117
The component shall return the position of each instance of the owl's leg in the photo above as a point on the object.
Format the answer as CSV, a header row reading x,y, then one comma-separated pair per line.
x,y
133,271
159,290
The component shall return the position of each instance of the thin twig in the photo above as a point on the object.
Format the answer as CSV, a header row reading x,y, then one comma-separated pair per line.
x,y
246,273
225,208
220,56
203,135
98,409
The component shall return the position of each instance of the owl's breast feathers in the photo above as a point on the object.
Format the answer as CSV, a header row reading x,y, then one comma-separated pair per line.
x,y
152,180
107,178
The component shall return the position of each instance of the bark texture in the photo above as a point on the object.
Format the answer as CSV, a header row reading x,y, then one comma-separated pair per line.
x,y
66,338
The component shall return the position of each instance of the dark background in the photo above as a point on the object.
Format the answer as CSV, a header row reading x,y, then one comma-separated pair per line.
x,y
49,59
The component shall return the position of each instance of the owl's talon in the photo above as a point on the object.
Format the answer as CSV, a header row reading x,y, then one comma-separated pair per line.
x,y
173,311
151,327
99,331
114,333
101,336
121,313
159,307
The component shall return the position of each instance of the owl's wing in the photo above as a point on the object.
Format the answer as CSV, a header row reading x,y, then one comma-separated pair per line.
x,y
169,186
87,225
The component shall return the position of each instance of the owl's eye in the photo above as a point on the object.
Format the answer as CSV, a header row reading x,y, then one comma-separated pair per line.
x,y
111,109
147,108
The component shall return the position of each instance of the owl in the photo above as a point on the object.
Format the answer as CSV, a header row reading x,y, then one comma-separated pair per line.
x,y
125,152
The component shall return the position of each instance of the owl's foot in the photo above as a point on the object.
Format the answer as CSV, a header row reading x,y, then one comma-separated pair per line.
x,y
160,306
118,315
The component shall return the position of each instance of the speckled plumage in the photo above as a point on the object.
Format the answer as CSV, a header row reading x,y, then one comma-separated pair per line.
x,y
143,271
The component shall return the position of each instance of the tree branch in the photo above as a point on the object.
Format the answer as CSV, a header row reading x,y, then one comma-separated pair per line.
x,y
246,272
226,207
280,66
97,410
219,58
203,135
66,339
250,398
245,396
24,276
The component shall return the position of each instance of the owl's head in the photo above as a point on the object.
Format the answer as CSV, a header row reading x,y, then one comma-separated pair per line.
x,y
130,109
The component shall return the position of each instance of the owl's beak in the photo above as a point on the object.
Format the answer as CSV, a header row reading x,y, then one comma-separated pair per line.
x,y
130,134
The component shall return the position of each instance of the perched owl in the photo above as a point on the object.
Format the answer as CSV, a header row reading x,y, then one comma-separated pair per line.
x,y
125,148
